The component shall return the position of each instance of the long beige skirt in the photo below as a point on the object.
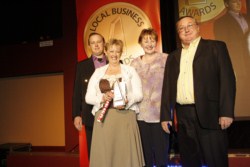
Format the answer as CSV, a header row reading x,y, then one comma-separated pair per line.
x,y
116,142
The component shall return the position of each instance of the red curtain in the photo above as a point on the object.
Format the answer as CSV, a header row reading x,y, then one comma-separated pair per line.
x,y
85,10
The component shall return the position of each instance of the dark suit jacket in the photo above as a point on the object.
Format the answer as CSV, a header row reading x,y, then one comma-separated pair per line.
x,y
214,83
228,30
84,70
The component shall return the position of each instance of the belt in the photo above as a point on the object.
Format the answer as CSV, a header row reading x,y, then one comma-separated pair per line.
x,y
185,105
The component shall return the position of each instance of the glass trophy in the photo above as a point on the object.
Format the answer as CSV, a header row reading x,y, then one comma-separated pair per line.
x,y
119,94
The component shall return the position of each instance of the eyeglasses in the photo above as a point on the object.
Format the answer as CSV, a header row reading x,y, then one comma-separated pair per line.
x,y
188,27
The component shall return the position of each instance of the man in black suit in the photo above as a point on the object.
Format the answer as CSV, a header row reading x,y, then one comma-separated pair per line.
x,y
233,28
81,112
199,83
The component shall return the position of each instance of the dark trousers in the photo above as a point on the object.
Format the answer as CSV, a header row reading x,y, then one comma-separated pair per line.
x,y
198,145
155,143
89,130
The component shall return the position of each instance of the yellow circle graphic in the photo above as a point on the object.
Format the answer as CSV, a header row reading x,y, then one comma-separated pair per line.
x,y
202,10
118,20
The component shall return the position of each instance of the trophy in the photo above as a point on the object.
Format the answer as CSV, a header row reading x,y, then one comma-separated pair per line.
x,y
119,93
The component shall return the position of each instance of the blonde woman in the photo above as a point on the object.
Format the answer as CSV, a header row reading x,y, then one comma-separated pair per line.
x,y
116,140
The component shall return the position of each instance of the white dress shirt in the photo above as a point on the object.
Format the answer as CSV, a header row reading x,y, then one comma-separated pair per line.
x,y
185,83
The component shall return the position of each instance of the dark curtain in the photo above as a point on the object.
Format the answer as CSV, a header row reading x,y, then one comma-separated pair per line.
x,y
238,134
248,7
168,14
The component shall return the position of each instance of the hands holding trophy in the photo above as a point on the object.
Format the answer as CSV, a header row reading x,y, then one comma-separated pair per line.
x,y
104,87
118,93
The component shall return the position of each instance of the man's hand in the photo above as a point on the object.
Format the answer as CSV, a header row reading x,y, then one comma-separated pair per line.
x,y
225,122
165,126
78,123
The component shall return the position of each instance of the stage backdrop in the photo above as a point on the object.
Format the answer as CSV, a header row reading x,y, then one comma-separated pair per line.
x,y
123,19
208,12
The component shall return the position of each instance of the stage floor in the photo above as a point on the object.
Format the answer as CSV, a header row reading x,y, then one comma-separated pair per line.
x,y
237,158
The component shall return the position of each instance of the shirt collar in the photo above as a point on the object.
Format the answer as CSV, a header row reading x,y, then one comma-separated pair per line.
x,y
94,58
233,13
193,43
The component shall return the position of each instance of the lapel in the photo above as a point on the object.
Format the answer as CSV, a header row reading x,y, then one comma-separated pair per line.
x,y
178,56
199,50
234,25
91,64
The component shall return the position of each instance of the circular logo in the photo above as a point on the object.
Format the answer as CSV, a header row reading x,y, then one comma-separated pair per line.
x,y
118,20
202,10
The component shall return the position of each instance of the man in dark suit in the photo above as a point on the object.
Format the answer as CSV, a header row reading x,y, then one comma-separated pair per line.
x,y
199,83
233,28
81,112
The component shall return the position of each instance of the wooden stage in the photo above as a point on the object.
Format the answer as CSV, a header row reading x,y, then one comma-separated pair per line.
x,y
237,158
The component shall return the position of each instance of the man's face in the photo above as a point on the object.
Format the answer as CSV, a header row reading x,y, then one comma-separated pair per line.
x,y
96,45
188,30
234,5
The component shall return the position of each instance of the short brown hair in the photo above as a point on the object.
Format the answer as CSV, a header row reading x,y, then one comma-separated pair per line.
x,y
148,31
180,18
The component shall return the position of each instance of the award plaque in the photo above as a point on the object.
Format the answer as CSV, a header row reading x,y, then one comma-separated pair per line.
x,y
119,94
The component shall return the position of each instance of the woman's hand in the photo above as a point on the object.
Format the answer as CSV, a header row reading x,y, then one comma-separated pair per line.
x,y
123,106
120,107
108,96
166,126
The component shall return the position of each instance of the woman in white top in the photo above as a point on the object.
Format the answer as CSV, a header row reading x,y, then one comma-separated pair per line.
x,y
116,140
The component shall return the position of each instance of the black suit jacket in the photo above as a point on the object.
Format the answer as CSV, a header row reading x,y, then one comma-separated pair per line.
x,y
214,83
84,71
